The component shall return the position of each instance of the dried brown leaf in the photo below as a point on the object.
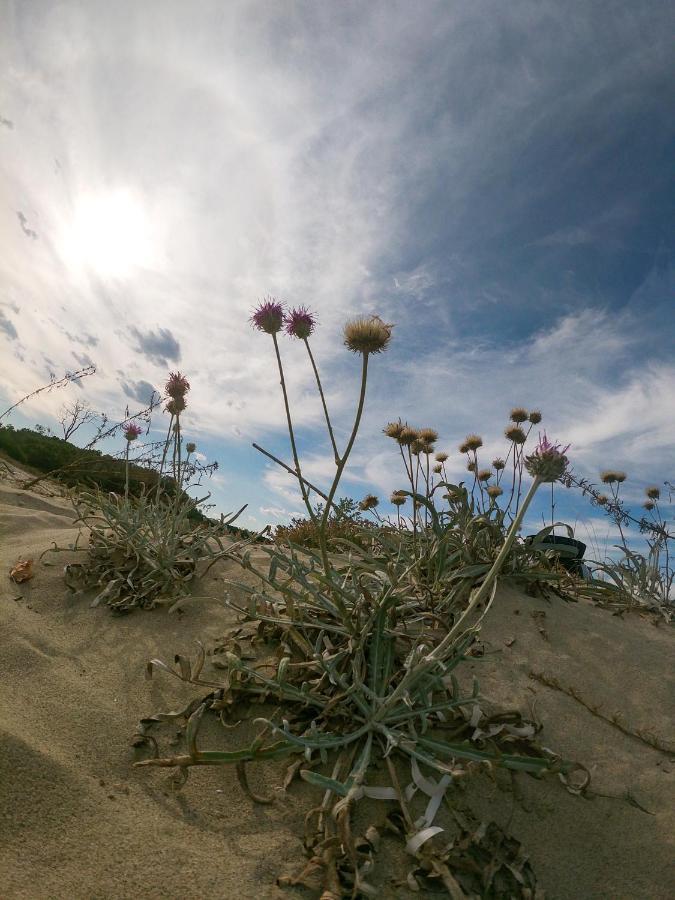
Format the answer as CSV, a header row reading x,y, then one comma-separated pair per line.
x,y
22,571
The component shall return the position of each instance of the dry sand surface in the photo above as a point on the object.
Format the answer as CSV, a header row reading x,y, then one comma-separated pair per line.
x,y
77,821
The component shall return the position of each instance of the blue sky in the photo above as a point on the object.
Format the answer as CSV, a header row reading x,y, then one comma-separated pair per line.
x,y
496,179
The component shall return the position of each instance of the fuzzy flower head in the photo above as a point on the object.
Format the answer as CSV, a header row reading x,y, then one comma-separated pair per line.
x,y
519,414
612,476
653,493
548,462
429,435
394,429
300,322
602,499
398,498
367,335
175,406
484,475
649,505
177,385
268,316
438,468
494,491
190,447
441,457
535,417
408,436
498,464
472,442
516,434
132,431
471,466
370,501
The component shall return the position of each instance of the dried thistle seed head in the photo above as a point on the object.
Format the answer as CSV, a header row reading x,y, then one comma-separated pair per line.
x,y
427,449
132,431
398,499
437,469
176,405
300,322
370,501
602,499
268,316
612,476
441,457
484,475
472,442
367,335
519,414
394,429
494,491
535,417
190,447
429,435
653,492
649,505
177,385
548,462
417,446
408,436
471,466
516,434
498,464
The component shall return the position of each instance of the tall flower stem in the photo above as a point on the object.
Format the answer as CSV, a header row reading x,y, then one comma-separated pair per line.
x,y
323,402
126,471
342,462
166,450
481,593
291,434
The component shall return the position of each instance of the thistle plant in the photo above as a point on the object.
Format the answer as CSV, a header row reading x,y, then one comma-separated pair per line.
x,y
364,674
143,551
634,580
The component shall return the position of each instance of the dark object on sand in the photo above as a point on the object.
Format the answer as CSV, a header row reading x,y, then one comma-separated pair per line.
x,y
569,551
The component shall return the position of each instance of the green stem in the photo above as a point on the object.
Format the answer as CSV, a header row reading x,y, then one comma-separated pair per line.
x,y
291,433
126,472
342,462
323,403
161,465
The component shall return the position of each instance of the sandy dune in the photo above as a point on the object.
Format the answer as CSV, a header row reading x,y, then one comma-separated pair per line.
x,y
77,821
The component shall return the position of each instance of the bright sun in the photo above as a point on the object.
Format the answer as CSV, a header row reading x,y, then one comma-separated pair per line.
x,y
110,233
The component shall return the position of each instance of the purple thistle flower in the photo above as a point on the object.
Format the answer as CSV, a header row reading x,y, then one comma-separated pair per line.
x,y
268,316
132,431
548,461
177,385
300,322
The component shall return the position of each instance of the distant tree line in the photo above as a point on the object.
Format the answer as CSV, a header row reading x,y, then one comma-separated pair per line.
x,y
73,465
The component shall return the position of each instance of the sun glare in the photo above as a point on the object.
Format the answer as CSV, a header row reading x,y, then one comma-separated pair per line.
x,y
110,233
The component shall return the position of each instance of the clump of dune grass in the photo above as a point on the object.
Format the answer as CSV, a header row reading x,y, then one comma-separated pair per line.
x,y
359,676
142,551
